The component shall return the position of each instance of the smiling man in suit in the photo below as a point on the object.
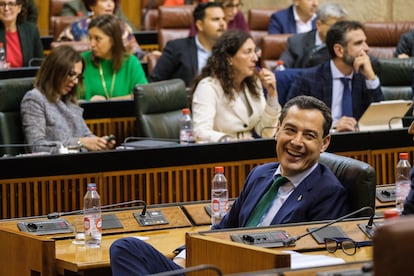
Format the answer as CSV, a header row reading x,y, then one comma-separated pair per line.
x,y
347,82
184,58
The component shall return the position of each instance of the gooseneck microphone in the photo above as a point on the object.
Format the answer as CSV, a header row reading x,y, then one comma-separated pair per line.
x,y
56,215
292,240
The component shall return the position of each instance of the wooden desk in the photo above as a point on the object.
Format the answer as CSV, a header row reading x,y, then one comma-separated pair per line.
x,y
216,247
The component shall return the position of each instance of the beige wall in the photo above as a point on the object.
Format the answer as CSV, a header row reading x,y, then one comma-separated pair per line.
x,y
362,10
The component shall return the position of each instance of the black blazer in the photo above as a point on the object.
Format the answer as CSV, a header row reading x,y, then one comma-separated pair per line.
x,y
29,41
178,60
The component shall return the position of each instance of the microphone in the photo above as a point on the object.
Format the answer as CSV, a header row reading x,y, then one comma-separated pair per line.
x,y
292,240
50,145
56,215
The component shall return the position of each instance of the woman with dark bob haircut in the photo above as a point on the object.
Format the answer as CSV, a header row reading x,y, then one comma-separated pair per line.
x,y
228,101
50,113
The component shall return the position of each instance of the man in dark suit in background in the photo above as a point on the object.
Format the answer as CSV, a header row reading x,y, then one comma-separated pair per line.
x,y
350,63
184,58
297,18
309,49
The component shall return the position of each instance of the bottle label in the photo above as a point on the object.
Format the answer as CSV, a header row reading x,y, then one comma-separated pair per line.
x,y
92,225
186,136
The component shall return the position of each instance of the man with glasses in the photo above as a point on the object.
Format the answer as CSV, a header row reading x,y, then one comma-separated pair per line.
x,y
309,49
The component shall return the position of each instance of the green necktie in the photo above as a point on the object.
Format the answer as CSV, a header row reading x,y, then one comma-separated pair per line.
x,y
266,200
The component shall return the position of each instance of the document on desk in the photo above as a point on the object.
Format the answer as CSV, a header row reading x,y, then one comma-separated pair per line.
x,y
299,260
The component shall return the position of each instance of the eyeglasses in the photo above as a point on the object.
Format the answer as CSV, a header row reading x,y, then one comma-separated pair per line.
x,y
347,245
3,5
73,76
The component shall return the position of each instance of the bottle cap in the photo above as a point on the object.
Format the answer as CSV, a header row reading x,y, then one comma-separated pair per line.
x,y
280,62
393,213
185,111
219,169
91,186
404,155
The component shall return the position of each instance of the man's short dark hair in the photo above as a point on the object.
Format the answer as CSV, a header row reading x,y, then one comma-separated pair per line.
x,y
337,34
309,102
200,10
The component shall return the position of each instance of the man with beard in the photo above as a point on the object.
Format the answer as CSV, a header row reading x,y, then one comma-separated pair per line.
x,y
184,58
347,82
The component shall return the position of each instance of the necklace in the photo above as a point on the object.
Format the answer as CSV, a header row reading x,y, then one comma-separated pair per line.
x,y
108,96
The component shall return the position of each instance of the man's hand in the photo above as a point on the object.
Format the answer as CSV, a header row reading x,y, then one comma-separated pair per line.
x,y
346,124
362,64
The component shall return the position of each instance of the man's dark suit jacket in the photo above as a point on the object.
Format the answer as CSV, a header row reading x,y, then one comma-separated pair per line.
x,y
301,51
29,41
283,22
317,82
320,196
406,44
178,60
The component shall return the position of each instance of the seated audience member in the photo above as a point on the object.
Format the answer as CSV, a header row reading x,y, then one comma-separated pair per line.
x,y
78,8
234,17
302,134
405,47
20,38
349,64
111,73
50,112
297,18
409,202
184,58
78,31
228,100
309,49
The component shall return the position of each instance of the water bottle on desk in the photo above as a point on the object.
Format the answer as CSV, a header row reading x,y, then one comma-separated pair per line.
x,y
92,217
402,180
219,196
2,56
186,128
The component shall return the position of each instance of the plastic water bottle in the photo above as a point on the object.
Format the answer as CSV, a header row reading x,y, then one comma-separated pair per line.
x,y
280,66
186,128
92,218
2,56
402,180
219,196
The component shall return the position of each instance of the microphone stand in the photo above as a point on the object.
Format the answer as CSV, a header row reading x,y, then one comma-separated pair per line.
x,y
56,215
292,241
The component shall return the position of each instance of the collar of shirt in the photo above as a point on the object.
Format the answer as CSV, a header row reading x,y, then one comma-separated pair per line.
x,y
202,54
301,26
318,40
298,178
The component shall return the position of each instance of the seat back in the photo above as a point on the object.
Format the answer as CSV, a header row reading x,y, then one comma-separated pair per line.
x,y
149,14
258,20
61,22
174,22
272,46
158,108
383,37
356,176
11,95
55,11
396,77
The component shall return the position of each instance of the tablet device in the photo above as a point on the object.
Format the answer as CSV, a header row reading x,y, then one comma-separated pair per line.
x,y
384,115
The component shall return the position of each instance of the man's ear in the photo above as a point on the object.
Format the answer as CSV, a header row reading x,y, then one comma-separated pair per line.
x,y
325,142
199,25
338,49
